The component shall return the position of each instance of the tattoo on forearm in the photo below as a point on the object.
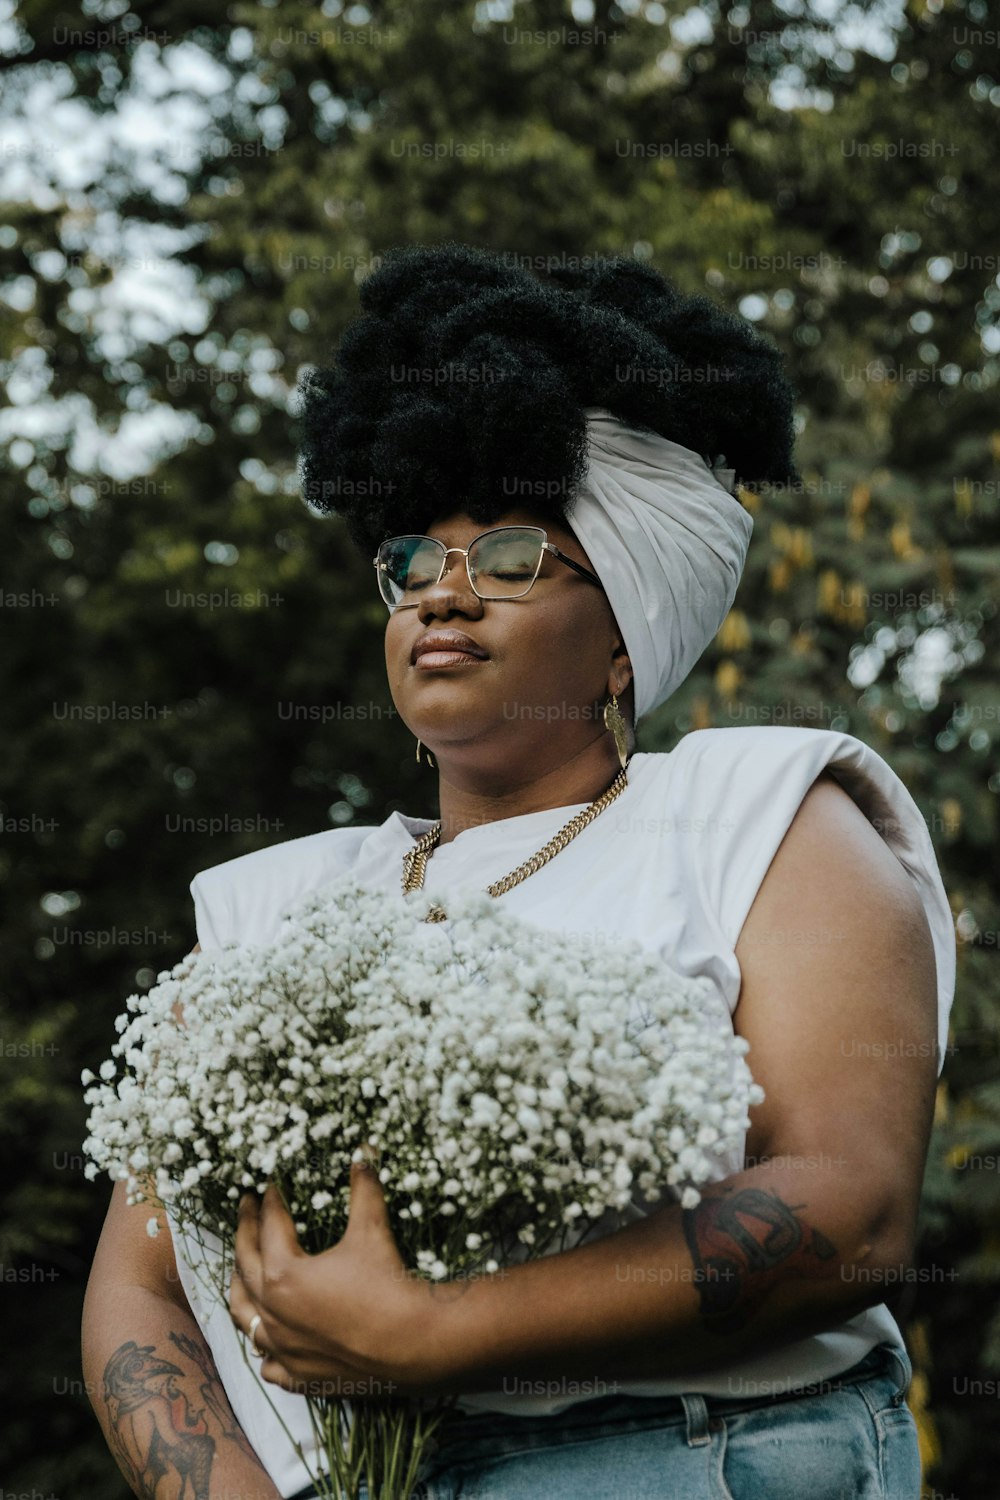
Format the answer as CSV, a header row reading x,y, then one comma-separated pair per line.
x,y
212,1392
743,1242
162,1444
152,1425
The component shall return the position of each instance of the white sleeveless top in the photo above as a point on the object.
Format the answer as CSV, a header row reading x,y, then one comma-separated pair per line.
x,y
701,826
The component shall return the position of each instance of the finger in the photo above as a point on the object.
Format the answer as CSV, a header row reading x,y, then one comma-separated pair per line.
x,y
278,1238
282,1372
248,1217
368,1211
241,1304
273,1371
277,1373
246,1251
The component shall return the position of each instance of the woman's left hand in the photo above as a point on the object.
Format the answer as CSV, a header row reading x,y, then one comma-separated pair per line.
x,y
349,1321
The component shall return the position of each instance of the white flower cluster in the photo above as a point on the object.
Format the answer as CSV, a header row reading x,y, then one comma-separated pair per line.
x,y
510,1086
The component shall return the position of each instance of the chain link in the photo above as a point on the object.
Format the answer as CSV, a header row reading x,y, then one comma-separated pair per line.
x,y
415,859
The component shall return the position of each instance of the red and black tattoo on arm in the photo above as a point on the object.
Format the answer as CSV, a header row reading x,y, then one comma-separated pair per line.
x,y
155,1434
212,1393
743,1242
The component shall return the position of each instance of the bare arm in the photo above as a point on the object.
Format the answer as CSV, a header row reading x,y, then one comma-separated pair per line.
x,y
838,1002
150,1376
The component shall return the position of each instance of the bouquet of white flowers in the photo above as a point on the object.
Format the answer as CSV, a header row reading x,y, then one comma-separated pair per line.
x,y
515,1092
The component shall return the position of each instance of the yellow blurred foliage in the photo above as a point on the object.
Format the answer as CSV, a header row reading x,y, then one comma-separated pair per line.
x,y
794,543
734,632
857,507
927,1437
941,1104
951,812
852,605
845,602
827,591
945,570
963,497
902,543
918,1348
800,548
803,642
727,678
967,1109
701,714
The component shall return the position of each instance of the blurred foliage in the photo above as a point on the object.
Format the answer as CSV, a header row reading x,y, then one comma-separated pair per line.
x,y
841,197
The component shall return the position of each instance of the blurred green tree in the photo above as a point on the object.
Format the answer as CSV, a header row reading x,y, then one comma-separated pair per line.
x,y
200,646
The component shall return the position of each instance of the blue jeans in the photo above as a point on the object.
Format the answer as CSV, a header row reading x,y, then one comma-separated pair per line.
x,y
853,1438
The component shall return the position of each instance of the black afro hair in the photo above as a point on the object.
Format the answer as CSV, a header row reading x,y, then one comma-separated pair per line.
x,y
462,386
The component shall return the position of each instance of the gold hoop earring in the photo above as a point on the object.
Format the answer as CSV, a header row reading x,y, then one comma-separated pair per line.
x,y
614,722
430,759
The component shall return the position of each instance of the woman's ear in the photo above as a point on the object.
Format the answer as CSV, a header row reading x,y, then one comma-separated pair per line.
x,y
620,676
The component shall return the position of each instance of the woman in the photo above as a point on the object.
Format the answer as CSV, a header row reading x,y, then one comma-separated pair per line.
x,y
555,553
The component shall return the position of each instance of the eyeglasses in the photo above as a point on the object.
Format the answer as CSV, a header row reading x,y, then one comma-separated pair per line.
x,y
502,563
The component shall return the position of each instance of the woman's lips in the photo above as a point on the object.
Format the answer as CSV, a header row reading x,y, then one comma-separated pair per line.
x,y
427,660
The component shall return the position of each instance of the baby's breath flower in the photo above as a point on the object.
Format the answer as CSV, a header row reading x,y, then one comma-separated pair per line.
x,y
517,1097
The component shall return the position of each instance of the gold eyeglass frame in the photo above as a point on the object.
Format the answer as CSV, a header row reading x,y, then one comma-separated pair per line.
x,y
546,546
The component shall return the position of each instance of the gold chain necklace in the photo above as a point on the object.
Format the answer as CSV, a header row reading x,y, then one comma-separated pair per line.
x,y
415,859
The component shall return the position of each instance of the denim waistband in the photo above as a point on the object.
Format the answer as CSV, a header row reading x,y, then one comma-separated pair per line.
x,y
694,1409
880,1359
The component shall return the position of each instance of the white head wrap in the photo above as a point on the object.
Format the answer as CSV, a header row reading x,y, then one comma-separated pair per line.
x,y
668,541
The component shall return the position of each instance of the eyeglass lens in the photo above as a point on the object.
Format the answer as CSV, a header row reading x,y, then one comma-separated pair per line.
x,y
502,563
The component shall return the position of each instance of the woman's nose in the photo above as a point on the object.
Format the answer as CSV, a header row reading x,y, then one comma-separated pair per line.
x,y
454,585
